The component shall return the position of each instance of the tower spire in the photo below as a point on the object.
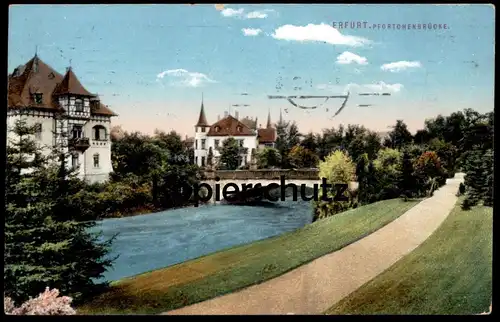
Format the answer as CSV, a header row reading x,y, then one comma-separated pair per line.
x,y
268,118
36,50
202,119
281,116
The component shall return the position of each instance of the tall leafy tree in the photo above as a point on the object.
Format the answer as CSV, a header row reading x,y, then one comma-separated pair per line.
x,y
230,154
400,136
408,180
287,136
310,142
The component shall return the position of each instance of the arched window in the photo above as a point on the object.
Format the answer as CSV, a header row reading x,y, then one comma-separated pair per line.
x,y
96,160
99,133
78,105
238,128
217,129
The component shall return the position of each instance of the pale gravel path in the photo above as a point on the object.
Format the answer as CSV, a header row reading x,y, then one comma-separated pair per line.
x,y
316,286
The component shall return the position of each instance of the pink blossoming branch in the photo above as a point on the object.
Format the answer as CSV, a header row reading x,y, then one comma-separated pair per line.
x,y
47,303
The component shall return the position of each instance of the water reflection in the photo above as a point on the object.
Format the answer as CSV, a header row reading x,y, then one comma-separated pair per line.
x,y
149,242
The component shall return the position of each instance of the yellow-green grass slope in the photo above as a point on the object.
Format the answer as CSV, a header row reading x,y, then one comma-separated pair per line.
x,y
239,267
449,273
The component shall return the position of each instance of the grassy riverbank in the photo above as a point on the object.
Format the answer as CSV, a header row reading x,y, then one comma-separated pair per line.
x,y
450,273
233,269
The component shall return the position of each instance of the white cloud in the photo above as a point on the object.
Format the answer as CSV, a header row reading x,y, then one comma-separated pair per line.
x,y
229,12
258,14
348,58
319,33
400,65
379,87
251,31
185,78
353,87
240,13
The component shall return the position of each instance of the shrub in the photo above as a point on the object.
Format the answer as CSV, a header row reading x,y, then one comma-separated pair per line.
x,y
461,189
268,158
337,168
47,303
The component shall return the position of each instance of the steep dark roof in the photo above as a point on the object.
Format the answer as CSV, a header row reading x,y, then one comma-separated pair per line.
x,y
71,85
37,77
34,77
202,119
229,126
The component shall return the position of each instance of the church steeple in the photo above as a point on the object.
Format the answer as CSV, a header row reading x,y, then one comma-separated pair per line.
x,y
202,119
269,119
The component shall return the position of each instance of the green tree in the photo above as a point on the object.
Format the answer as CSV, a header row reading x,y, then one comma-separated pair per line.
x,y
479,178
388,171
436,127
337,168
365,173
210,157
300,157
400,136
230,154
372,144
429,171
446,152
268,158
48,242
408,182
421,137
331,140
287,136
310,142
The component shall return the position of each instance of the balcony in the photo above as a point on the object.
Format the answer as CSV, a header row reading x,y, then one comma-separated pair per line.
x,y
79,144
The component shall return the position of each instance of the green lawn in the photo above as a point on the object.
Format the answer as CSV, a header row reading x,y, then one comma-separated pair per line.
x,y
235,268
450,273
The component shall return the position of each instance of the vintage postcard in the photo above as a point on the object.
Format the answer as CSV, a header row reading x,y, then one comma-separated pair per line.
x,y
252,159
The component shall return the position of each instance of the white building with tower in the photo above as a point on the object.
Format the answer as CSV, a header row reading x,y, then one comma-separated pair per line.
x,y
212,136
65,113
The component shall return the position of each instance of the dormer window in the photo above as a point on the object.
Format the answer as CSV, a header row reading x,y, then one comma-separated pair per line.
x,y
217,129
238,128
38,98
78,105
51,75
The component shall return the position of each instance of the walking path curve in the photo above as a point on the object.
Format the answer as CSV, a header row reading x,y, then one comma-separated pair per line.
x,y
316,286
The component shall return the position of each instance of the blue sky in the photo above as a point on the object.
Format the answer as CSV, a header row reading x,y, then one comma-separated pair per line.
x,y
151,63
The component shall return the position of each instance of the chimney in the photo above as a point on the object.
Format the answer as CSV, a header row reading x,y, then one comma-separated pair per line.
x,y
218,117
236,115
226,114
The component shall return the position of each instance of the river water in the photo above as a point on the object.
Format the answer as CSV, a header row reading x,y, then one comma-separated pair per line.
x,y
153,241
